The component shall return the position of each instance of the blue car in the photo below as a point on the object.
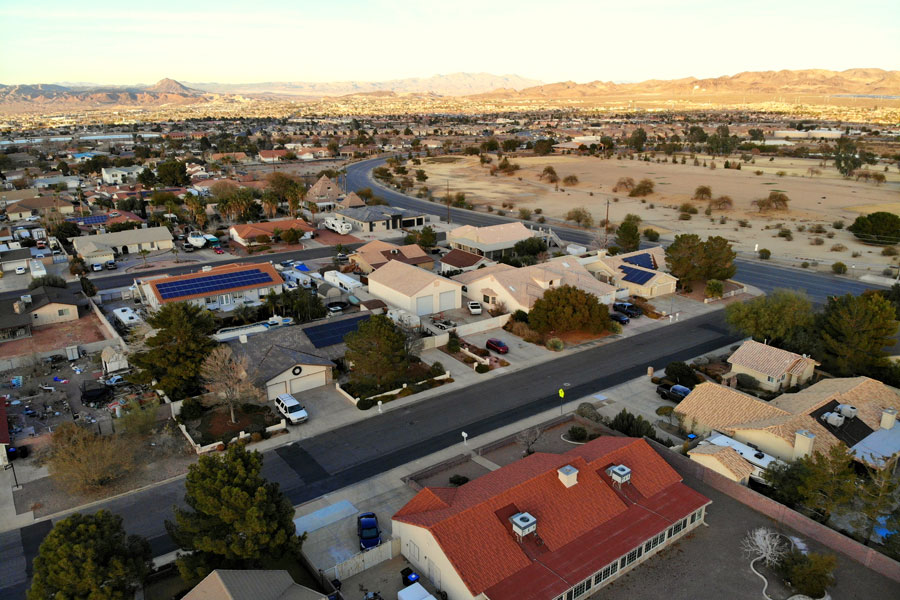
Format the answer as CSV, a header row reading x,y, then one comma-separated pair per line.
x,y
619,318
367,530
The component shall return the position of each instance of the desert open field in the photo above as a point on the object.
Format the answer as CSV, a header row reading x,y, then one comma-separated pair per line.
x,y
814,199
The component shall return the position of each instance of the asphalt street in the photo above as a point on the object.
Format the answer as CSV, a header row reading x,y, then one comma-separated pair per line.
x,y
333,460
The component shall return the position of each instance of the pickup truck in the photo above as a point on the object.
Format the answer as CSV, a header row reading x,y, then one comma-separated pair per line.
x,y
675,393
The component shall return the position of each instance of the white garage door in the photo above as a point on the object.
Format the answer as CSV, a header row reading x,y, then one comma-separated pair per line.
x,y
299,384
424,305
275,390
448,300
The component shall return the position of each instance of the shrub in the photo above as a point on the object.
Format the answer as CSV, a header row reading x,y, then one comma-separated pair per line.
x,y
780,173
829,235
809,574
747,381
684,217
889,251
365,403
651,235
817,228
838,248
838,224
744,223
570,180
817,241
786,234
588,411
480,368
804,265
256,436
681,373
436,369
577,434
839,268
525,214
765,253
714,288
191,409
757,172
643,188
555,344
458,480
520,316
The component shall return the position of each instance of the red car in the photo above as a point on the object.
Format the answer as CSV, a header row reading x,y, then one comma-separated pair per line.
x,y
497,346
219,251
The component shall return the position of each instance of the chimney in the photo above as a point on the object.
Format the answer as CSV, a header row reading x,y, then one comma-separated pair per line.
x,y
18,307
243,338
568,475
803,443
888,418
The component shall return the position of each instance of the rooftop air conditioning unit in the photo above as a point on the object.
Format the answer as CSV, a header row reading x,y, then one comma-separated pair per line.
x,y
619,473
847,411
26,298
833,419
523,523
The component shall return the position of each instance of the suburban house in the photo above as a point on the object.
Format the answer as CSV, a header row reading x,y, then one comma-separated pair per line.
x,y
279,367
324,193
43,305
246,234
104,246
639,272
351,200
70,181
491,242
549,526
376,253
272,156
11,260
415,290
120,175
773,368
8,197
236,157
216,288
460,260
39,205
519,288
380,218
731,458
858,411
223,584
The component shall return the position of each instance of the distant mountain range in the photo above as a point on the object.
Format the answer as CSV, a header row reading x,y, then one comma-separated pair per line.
x,y
752,85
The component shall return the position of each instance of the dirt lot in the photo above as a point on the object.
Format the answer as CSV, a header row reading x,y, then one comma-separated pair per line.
x,y
818,199
85,330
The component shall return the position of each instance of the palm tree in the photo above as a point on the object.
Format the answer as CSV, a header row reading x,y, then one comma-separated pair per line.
x,y
175,251
144,252
244,314
270,204
295,195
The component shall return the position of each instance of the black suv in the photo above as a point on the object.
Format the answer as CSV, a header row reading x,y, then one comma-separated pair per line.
x,y
627,308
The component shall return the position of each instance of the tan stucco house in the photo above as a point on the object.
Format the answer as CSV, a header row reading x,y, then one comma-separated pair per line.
x,y
775,369
640,272
45,206
415,290
223,584
279,367
93,248
373,255
519,288
491,242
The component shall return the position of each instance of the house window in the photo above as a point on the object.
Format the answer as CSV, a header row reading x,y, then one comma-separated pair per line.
x,y
62,312
486,299
771,379
693,517
632,556
225,299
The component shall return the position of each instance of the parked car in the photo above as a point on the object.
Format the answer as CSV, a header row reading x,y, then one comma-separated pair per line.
x,y
187,247
627,308
111,265
292,410
219,251
96,267
474,308
20,270
675,393
114,380
367,530
33,218
619,318
497,346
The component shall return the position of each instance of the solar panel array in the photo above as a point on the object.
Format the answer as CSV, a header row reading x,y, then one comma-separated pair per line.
x,y
211,283
92,220
641,260
330,334
636,276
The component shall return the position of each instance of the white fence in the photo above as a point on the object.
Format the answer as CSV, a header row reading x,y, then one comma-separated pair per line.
x,y
436,341
364,560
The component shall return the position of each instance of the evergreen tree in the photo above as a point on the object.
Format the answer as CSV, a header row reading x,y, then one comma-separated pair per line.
x,y
717,259
377,351
568,308
236,519
855,331
779,318
830,481
628,237
682,257
89,557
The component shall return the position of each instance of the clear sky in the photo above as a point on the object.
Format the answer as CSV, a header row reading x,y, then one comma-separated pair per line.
x,y
45,41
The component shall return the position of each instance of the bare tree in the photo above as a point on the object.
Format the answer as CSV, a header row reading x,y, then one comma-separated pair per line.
x,y
82,461
765,544
225,375
527,438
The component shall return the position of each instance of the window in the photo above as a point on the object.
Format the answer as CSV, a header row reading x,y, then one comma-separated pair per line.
x,y
771,379
578,590
62,312
693,517
487,299
632,556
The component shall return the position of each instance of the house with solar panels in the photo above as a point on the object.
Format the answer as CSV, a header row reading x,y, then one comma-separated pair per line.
x,y
639,272
215,288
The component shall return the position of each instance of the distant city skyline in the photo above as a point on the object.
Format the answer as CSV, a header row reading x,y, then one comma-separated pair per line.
x,y
48,41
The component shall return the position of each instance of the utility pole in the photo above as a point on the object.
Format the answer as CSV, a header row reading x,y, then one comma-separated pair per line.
x,y
606,227
448,201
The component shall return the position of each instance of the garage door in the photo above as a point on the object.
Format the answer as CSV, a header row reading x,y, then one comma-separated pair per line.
x,y
424,305
448,300
275,390
299,384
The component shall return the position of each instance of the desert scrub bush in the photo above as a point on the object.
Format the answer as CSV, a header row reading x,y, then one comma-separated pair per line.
x,y
786,234
839,268
525,214
838,224
684,217
480,368
744,223
643,188
817,228
577,434
829,235
838,248
817,241
651,235
889,251
555,344
804,265
765,253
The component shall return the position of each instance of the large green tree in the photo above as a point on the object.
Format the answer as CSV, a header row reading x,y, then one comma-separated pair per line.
x,y
846,156
628,238
717,259
568,308
637,139
877,228
236,519
830,481
682,257
779,318
855,331
377,350
89,557
785,479
877,496
174,354
172,173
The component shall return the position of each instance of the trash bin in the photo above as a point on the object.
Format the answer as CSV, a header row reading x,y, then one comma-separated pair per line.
x,y
336,583
409,577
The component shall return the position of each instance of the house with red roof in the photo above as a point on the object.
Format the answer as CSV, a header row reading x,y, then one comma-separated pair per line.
x,y
221,288
271,156
549,526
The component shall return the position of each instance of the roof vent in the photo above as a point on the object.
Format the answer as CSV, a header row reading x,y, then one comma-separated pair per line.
x,y
26,298
523,523
619,473
243,338
568,475
832,418
847,411
395,251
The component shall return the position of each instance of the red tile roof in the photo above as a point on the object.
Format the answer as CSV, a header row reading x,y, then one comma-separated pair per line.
x,y
461,259
470,526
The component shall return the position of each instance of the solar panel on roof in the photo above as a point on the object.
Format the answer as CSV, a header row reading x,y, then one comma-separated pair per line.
x,y
330,334
211,283
641,260
636,276
92,220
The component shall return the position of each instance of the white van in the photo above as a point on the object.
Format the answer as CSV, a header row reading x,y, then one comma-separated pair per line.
x,y
292,410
